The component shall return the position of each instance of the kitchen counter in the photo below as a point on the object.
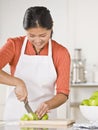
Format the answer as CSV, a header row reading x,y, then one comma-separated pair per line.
x,y
16,126
31,128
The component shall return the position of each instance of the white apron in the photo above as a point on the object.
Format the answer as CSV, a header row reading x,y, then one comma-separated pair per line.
x,y
38,73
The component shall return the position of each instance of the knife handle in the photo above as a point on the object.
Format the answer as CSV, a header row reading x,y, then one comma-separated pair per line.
x,y
26,100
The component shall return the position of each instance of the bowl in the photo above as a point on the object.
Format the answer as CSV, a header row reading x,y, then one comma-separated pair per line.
x,y
89,112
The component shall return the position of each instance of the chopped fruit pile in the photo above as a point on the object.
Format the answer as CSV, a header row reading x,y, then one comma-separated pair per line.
x,y
33,116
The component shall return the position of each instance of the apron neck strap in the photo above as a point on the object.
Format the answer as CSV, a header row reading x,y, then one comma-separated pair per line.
x,y
24,45
49,47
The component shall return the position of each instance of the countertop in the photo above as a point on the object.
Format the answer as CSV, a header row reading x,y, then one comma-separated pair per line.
x,y
15,126
88,84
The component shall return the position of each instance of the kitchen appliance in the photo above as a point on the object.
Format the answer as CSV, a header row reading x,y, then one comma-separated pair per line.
x,y
27,106
78,72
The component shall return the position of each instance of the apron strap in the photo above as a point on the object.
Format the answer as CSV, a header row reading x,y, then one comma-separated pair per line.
x,y
24,45
50,48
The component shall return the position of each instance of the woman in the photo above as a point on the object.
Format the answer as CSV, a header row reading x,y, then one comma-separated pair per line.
x,y
38,65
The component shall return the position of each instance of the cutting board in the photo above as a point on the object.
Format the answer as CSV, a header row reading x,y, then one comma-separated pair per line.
x,y
47,123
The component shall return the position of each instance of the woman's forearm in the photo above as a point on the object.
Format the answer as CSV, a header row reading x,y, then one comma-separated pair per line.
x,y
56,101
7,79
20,87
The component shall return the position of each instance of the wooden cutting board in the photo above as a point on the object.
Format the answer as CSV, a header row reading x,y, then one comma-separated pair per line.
x,y
47,123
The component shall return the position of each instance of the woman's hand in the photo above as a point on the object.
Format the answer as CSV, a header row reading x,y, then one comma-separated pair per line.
x,y
20,87
21,91
54,102
42,109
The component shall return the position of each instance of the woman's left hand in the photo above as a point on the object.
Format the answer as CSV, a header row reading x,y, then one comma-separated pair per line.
x,y
42,109
54,102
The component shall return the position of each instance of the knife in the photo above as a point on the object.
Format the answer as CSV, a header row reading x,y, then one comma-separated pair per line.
x,y
27,106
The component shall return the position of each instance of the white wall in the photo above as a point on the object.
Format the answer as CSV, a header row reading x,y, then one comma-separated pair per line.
x,y
83,31
12,12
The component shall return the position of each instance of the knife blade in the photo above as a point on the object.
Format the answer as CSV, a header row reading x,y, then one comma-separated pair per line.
x,y
27,107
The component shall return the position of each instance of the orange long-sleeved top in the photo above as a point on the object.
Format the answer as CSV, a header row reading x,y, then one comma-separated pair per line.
x,y
10,53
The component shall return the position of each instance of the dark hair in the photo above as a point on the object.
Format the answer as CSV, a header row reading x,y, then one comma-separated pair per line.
x,y
37,16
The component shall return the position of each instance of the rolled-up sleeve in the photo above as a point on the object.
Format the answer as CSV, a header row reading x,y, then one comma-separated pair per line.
x,y
6,53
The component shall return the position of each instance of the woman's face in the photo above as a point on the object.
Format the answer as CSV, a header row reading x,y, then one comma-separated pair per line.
x,y
38,36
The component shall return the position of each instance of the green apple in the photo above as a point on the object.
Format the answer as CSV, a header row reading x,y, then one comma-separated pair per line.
x,y
45,117
85,102
95,93
32,128
93,101
31,116
36,117
24,117
24,128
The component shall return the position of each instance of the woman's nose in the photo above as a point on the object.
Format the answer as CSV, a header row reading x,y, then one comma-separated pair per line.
x,y
37,39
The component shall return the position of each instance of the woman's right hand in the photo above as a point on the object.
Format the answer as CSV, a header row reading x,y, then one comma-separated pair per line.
x,y
21,91
20,87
